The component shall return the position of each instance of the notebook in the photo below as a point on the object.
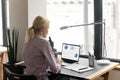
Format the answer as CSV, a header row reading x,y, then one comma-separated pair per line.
x,y
70,53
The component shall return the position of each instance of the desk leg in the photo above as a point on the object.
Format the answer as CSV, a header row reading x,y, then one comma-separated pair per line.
x,y
1,55
106,76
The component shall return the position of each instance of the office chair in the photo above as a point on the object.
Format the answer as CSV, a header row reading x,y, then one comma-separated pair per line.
x,y
15,76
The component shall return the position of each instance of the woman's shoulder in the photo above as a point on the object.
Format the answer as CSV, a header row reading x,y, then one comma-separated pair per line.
x,y
41,41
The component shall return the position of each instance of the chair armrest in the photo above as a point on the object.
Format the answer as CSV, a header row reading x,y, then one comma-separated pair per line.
x,y
19,63
16,76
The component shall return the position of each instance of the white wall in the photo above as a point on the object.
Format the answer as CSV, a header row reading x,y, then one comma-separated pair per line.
x,y
21,15
18,17
35,8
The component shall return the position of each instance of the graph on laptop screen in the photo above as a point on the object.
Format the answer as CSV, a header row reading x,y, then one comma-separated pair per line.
x,y
70,52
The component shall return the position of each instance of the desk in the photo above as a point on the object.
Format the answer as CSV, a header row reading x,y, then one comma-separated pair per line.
x,y
98,71
2,51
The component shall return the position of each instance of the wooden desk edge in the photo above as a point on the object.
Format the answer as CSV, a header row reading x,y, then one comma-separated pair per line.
x,y
3,49
102,72
19,63
117,67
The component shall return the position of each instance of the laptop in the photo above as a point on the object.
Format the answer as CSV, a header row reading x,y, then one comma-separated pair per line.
x,y
70,53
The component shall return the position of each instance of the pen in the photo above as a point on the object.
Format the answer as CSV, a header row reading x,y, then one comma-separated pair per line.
x,y
83,68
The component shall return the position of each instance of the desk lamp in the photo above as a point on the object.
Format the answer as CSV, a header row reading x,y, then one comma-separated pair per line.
x,y
95,23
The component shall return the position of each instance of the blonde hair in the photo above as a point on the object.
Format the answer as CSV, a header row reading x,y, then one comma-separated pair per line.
x,y
38,23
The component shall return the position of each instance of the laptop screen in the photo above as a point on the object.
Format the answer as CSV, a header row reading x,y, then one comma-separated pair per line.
x,y
70,52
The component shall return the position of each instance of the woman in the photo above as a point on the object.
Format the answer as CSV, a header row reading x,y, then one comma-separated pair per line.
x,y
37,52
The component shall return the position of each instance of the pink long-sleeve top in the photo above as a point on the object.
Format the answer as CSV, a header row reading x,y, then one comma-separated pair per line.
x,y
38,56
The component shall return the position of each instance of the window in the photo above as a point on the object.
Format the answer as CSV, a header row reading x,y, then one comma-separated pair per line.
x,y
111,13
1,29
71,12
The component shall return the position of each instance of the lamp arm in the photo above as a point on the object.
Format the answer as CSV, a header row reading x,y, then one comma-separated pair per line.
x,y
65,27
87,24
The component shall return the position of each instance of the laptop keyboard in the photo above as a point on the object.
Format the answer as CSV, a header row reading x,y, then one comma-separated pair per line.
x,y
65,63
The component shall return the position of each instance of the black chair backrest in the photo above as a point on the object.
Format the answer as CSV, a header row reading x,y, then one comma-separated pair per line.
x,y
14,76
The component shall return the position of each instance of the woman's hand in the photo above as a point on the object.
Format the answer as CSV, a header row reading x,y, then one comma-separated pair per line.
x,y
58,61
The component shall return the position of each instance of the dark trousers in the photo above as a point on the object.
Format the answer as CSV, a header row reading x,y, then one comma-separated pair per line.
x,y
57,77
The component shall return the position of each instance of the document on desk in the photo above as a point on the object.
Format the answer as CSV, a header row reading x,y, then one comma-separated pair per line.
x,y
78,67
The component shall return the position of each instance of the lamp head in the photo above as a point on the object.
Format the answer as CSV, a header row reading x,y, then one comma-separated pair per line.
x,y
64,27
